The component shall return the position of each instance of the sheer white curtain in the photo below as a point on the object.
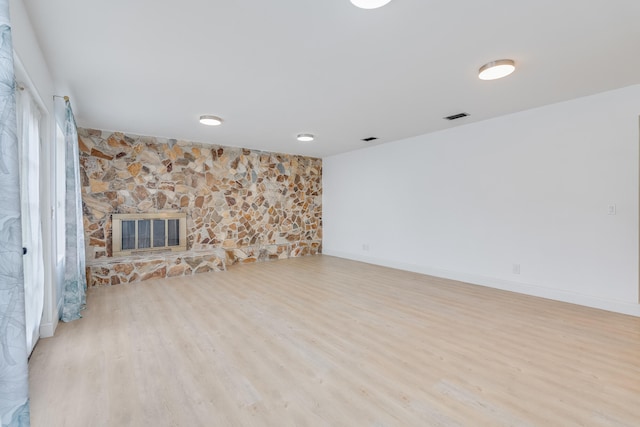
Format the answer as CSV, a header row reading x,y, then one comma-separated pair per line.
x,y
29,118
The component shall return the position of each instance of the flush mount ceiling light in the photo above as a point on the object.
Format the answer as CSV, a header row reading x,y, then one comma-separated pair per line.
x,y
369,4
210,120
496,69
305,137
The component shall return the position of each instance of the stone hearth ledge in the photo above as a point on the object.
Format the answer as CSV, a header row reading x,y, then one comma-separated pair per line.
x,y
156,265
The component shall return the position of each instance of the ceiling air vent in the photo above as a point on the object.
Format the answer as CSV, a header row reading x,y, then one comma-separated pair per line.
x,y
369,139
456,116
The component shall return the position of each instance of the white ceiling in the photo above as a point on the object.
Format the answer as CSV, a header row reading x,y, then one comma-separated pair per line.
x,y
276,68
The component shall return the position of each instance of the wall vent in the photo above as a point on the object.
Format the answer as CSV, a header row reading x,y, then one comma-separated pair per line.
x,y
369,139
456,116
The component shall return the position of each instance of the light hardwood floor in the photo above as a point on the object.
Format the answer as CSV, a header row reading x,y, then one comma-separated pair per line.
x,y
321,341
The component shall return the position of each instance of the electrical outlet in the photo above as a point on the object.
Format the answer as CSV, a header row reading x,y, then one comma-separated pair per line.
x,y
365,247
516,268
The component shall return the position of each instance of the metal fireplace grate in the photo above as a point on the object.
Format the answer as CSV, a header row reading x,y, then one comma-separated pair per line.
x,y
132,233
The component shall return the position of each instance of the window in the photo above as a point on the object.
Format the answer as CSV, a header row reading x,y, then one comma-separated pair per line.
x,y
132,233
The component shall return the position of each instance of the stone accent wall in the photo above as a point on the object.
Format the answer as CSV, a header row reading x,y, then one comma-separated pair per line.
x,y
242,205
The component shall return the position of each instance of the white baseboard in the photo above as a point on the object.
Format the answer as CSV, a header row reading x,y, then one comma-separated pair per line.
x,y
48,329
506,285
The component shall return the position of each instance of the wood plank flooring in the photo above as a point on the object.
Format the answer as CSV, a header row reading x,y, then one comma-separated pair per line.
x,y
322,341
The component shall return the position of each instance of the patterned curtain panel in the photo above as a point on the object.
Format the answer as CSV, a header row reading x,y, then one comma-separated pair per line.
x,y
14,384
75,281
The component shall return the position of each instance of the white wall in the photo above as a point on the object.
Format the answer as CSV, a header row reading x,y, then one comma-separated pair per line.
x,y
33,72
531,188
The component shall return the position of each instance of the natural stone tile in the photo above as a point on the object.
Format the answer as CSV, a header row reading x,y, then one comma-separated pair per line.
x,y
156,274
148,157
134,168
118,143
145,205
203,269
98,186
100,154
176,270
161,200
85,147
126,268
96,204
193,261
147,265
164,185
96,243
141,193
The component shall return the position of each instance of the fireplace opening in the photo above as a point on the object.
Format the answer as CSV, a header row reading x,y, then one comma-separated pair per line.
x,y
135,233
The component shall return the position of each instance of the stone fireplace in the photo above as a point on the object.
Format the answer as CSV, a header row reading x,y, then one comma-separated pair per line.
x,y
150,232
238,206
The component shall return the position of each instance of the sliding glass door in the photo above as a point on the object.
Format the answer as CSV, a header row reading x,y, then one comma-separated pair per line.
x,y
29,139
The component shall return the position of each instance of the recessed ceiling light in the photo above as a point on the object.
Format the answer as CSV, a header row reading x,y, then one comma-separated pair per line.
x,y
496,69
369,4
210,120
305,137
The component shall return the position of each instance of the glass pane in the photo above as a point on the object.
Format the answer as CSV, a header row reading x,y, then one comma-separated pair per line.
x,y
144,233
158,233
174,233
128,235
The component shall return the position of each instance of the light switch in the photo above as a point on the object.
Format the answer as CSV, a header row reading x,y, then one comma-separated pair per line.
x,y
612,209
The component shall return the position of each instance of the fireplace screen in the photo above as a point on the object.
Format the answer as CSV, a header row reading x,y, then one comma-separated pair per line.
x,y
148,232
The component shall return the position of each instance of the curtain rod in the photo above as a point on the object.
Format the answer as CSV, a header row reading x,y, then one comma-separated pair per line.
x,y
66,98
